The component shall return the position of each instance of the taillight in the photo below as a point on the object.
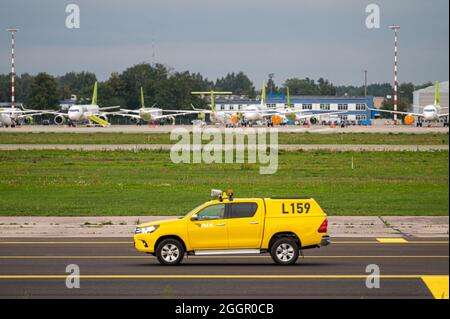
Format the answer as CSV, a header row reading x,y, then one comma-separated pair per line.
x,y
323,228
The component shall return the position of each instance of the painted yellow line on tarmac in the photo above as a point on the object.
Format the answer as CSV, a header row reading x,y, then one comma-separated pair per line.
x,y
349,242
226,257
438,285
223,276
392,240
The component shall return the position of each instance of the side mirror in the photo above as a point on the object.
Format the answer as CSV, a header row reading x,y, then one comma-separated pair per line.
x,y
194,217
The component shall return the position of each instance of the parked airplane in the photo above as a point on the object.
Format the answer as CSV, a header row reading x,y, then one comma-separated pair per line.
x,y
150,114
216,117
90,113
255,113
431,113
290,114
250,115
12,116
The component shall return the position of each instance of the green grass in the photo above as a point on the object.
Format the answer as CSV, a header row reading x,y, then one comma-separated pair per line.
x,y
284,138
71,183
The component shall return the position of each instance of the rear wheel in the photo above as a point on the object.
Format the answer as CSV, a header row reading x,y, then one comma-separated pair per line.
x,y
285,251
170,252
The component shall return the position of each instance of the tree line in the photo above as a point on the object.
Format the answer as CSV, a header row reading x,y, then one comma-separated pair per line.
x,y
171,89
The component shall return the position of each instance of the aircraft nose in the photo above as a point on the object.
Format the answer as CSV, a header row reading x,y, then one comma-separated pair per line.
x,y
74,116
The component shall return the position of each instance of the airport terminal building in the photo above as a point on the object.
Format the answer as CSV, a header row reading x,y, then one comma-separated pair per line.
x,y
354,108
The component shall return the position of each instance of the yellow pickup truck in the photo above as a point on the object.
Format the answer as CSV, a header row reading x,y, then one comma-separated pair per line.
x,y
230,226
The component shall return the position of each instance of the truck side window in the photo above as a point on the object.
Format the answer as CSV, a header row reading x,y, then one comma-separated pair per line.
x,y
212,212
241,210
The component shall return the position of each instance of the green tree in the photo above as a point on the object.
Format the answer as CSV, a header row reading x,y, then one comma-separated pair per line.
x,y
5,88
79,83
305,86
238,83
44,92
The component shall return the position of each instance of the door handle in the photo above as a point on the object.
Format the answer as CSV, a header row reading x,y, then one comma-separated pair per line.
x,y
220,224
254,223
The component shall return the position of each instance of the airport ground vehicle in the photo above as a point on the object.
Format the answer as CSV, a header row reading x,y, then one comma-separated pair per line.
x,y
228,226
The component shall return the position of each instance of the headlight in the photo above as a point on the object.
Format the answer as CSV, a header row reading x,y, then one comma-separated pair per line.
x,y
145,230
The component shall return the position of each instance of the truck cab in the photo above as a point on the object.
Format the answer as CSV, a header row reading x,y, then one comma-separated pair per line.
x,y
230,226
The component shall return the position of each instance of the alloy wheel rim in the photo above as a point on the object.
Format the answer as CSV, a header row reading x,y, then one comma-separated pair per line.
x,y
285,252
170,253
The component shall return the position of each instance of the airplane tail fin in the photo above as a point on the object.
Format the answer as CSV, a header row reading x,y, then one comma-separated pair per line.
x,y
263,95
212,93
288,98
437,96
94,95
213,103
142,98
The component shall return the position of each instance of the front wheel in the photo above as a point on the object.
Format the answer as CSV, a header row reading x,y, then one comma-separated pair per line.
x,y
285,251
170,252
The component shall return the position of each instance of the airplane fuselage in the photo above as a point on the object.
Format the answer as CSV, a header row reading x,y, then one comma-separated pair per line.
x,y
148,114
431,113
10,116
80,113
220,118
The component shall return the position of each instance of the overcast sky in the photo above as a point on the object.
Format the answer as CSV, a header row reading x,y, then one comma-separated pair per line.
x,y
290,38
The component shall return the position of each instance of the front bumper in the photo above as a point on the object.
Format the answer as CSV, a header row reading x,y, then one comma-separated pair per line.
x,y
325,241
144,243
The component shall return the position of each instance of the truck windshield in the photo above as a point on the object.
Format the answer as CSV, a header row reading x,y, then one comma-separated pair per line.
x,y
193,209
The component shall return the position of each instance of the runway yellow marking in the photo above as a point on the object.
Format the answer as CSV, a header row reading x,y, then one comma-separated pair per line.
x,y
438,286
226,257
214,276
392,240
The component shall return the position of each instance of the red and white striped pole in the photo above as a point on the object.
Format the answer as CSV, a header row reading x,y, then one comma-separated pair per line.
x,y
395,28
13,99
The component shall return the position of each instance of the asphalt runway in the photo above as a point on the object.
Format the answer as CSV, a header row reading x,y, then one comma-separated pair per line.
x,y
36,268
169,128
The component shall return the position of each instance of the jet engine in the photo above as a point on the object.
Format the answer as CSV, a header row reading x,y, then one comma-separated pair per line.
x,y
28,120
134,120
59,120
103,117
313,120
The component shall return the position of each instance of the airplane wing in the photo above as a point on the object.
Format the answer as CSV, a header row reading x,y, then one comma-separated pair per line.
x,y
109,108
169,116
54,113
443,115
182,111
397,112
30,114
307,116
129,111
200,110
137,117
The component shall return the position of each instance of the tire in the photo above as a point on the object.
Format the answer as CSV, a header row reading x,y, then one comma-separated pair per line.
x,y
170,252
285,251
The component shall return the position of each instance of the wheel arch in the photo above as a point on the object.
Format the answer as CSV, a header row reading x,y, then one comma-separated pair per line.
x,y
287,234
175,237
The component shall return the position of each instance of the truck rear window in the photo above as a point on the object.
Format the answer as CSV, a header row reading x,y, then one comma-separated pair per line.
x,y
241,210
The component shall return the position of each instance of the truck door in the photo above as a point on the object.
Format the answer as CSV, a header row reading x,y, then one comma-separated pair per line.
x,y
245,222
209,231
